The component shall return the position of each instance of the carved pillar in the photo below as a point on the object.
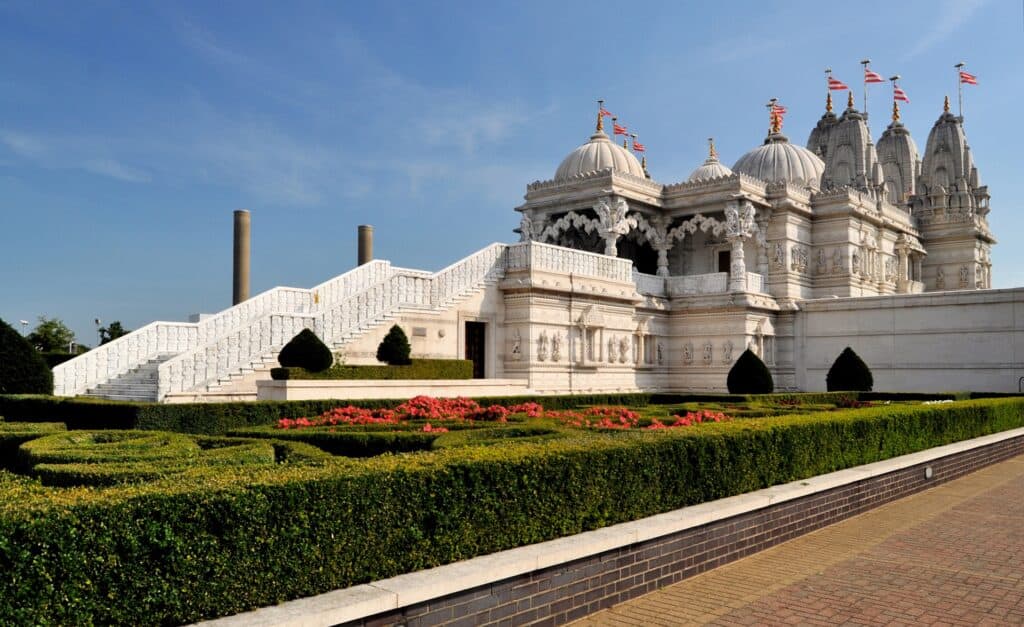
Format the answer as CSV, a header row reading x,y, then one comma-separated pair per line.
x,y
917,267
739,224
762,248
903,272
738,267
612,223
663,260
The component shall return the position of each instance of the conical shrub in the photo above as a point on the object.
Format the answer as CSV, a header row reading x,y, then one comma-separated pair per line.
x,y
749,375
305,350
849,373
394,349
22,369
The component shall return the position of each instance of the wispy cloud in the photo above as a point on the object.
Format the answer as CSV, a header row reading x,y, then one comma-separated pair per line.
x,y
740,48
89,154
951,15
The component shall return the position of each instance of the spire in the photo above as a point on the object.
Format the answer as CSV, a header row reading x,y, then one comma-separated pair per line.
x,y
849,99
895,111
643,165
600,116
945,105
828,103
712,153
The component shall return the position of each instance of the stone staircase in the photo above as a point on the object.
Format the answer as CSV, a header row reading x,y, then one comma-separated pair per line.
x,y
138,384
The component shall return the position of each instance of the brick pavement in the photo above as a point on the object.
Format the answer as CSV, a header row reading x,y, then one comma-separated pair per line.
x,y
952,555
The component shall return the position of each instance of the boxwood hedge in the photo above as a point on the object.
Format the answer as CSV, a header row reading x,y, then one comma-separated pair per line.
x,y
418,369
215,541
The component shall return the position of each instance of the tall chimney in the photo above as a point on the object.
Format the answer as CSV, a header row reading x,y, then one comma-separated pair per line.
x,y
365,243
240,283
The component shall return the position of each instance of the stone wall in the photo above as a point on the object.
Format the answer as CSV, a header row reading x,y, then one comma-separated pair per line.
x,y
947,341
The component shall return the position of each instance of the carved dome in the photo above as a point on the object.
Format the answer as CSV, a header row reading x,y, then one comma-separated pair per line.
x,y
779,160
598,154
712,168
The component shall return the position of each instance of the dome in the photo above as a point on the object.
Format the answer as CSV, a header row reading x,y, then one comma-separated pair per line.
x,y
598,154
712,168
779,160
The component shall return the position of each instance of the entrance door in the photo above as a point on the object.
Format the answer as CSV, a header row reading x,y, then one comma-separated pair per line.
x,y
475,335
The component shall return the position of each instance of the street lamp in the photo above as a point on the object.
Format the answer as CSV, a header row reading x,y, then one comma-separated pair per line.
x,y
24,327
99,333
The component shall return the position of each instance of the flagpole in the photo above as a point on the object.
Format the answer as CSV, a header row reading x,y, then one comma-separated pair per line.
x,y
865,63
960,87
895,107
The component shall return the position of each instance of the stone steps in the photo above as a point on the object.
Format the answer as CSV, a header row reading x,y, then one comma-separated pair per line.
x,y
138,384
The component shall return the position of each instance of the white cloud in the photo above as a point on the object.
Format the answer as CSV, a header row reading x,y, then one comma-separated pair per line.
x,y
84,153
115,170
24,145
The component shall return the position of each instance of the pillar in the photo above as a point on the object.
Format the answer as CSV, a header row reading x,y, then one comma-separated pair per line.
x,y
240,274
365,244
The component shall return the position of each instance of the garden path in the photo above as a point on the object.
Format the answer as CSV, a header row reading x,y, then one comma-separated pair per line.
x,y
952,555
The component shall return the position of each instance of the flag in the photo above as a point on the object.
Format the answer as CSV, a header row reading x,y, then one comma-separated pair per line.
x,y
899,94
778,109
870,76
620,130
605,113
638,147
836,84
969,79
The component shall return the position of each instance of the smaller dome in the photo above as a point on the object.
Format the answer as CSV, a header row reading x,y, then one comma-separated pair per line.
x,y
598,154
779,160
712,168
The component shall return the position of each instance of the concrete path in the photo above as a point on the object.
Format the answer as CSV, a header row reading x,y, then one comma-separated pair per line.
x,y
953,555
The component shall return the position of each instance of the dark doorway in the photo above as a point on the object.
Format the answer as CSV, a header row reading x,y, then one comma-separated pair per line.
x,y
723,260
476,332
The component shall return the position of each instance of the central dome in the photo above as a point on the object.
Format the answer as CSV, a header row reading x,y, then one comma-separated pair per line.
x,y
598,154
779,160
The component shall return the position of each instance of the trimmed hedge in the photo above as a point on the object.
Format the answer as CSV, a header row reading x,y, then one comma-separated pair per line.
x,y
14,434
418,369
346,441
394,349
219,418
306,350
749,375
209,543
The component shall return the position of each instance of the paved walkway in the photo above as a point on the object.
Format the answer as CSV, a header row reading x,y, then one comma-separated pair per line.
x,y
953,555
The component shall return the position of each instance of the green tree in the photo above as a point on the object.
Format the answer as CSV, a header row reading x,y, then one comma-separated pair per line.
x,y
22,369
112,331
749,375
849,373
306,350
51,334
394,348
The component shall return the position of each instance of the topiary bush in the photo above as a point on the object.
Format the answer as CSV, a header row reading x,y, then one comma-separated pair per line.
x,y
305,350
849,373
749,375
22,369
394,349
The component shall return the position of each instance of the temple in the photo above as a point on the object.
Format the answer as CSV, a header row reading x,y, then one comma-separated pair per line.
x,y
620,282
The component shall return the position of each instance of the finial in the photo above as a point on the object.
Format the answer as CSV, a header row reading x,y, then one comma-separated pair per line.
x,y
600,116
849,99
945,105
643,163
624,144
895,111
828,103
776,122
712,153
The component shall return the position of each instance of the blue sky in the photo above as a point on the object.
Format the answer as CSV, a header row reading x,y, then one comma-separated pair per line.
x,y
130,131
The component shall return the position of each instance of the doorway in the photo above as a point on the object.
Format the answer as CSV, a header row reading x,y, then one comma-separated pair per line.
x,y
724,257
476,333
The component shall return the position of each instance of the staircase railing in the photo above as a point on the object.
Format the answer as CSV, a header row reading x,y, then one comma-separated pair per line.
x,y
254,337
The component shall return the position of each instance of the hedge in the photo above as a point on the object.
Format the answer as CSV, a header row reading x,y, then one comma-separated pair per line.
x,y
14,434
348,442
219,418
418,369
208,543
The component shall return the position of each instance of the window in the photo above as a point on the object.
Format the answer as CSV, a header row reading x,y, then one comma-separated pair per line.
x,y
724,260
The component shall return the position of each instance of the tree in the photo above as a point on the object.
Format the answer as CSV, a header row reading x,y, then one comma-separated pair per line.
x,y
51,334
749,375
307,351
113,331
849,373
394,348
22,369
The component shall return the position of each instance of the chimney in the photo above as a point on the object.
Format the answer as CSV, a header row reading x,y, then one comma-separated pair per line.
x,y
240,283
365,244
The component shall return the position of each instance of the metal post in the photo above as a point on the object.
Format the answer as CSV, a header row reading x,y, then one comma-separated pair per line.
x,y
960,88
862,78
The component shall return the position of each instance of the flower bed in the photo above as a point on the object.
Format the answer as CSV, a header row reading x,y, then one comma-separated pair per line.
x,y
464,410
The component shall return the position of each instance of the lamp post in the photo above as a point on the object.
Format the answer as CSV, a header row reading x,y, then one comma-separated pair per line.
x,y
99,334
24,327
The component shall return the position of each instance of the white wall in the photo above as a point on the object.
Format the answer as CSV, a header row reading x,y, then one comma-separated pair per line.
x,y
941,341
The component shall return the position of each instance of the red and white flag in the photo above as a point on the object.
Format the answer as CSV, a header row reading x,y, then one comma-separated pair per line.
x,y
969,79
899,94
605,113
834,84
638,147
619,129
870,76
778,109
